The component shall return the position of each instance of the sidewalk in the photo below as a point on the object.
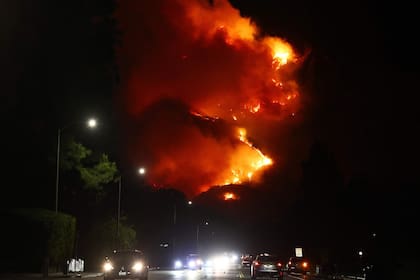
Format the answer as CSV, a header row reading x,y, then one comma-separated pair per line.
x,y
51,276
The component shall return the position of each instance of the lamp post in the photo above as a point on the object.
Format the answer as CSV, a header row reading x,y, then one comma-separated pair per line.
x,y
141,171
91,123
197,235
174,230
119,209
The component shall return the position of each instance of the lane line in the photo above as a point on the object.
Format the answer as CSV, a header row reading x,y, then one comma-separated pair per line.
x,y
292,276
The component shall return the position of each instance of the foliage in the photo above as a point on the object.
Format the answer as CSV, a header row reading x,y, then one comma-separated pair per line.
x,y
127,233
74,154
94,172
102,239
101,173
57,231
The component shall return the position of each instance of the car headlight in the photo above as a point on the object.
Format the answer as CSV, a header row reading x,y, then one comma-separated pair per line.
x,y
178,264
137,266
191,264
108,267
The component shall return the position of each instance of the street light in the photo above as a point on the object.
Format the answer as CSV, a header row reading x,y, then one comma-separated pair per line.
x,y
198,233
91,123
141,171
174,226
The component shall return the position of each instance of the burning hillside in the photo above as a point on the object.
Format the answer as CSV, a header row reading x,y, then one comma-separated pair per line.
x,y
196,77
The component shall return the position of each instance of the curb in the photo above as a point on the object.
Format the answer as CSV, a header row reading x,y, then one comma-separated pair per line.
x,y
24,276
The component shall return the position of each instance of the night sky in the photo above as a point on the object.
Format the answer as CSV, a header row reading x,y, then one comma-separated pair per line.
x,y
359,80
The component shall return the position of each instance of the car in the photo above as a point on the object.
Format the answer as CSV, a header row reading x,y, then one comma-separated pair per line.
x,y
130,264
298,264
246,260
266,264
192,261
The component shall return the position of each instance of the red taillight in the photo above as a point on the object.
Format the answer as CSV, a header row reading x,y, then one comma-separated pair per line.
x,y
278,264
305,264
256,263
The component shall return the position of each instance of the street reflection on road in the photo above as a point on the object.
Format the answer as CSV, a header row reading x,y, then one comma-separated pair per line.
x,y
205,273
215,274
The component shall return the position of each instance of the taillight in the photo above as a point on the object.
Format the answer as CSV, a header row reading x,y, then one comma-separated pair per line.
x,y
278,264
290,263
256,263
305,264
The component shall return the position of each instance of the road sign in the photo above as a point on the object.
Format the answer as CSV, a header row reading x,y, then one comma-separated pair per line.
x,y
298,252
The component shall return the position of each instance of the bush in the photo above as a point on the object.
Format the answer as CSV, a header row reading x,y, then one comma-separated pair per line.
x,y
34,234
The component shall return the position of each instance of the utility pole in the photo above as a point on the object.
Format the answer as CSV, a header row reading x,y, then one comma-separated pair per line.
x,y
174,233
57,179
118,212
198,232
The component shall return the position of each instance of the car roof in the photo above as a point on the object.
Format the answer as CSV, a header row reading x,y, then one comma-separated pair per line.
x,y
127,251
297,258
193,255
266,255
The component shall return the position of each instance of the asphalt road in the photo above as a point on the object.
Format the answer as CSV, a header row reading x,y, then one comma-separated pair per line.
x,y
204,274
207,274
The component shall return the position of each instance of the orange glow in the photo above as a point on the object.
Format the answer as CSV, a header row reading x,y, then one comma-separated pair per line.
x,y
281,51
230,196
228,80
245,162
223,18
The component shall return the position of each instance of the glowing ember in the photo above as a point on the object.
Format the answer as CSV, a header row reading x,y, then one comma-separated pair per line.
x,y
229,196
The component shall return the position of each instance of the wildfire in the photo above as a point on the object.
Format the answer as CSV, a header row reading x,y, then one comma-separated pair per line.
x,y
280,50
227,75
230,196
249,161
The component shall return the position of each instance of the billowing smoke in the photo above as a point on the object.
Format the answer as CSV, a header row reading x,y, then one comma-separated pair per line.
x,y
196,79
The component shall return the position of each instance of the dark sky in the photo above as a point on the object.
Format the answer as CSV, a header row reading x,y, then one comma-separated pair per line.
x,y
359,86
360,63
364,67
360,81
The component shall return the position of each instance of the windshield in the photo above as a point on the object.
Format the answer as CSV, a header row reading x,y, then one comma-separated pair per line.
x,y
268,258
126,256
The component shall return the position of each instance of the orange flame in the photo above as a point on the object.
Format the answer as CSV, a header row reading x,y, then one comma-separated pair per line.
x,y
221,67
245,162
230,196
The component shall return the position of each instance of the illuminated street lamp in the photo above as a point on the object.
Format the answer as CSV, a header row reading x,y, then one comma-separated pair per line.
x,y
91,123
174,226
206,223
141,171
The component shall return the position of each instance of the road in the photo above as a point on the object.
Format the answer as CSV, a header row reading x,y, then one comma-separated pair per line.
x,y
207,274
